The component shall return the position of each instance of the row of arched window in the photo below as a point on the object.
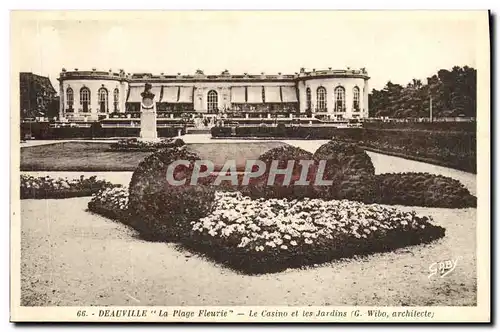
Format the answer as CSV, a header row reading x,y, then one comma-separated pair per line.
x,y
85,98
339,99
213,99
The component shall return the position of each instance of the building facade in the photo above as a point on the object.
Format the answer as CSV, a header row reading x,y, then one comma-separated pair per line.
x,y
37,97
330,94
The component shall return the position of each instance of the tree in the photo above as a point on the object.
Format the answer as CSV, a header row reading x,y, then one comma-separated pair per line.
x,y
453,93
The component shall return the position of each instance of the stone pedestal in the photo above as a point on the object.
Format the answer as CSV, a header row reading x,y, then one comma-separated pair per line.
x,y
148,126
149,131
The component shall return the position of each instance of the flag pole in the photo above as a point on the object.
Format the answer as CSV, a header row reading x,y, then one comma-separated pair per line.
x,y
430,109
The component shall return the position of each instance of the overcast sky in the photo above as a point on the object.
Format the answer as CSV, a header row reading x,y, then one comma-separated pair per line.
x,y
395,46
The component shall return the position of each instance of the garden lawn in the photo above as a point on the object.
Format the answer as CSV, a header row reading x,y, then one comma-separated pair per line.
x,y
70,257
78,156
88,156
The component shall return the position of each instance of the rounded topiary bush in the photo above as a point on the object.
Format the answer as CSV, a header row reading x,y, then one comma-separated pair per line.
x,y
259,188
160,210
351,170
422,189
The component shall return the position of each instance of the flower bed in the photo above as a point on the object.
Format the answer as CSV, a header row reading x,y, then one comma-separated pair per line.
x,y
47,187
260,233
111,203
259,236
134,145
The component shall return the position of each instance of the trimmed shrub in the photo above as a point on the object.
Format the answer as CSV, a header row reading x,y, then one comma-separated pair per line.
x,y
351,170
422,189
49,188
258,187
160,210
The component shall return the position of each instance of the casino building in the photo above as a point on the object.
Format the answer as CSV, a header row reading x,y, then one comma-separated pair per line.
x,y
322,94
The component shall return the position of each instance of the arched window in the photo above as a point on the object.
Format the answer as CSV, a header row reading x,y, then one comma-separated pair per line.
x,y
85,99
355,99
70,97
116,96
212,101
339,99
321,99
308,98
103,100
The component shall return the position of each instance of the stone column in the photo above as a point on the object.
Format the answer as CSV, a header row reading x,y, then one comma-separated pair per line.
x,y
365,100
348,100
122,98
94,101
62,99
110,100
330,98
313,97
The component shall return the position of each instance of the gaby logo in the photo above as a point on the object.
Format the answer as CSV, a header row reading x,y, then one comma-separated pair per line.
x,y
443,268
310,172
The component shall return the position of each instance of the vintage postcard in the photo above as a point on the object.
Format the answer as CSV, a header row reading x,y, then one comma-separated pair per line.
x,y
253,166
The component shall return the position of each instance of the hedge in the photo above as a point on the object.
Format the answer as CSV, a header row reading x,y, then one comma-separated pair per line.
x,y
43,131
461,126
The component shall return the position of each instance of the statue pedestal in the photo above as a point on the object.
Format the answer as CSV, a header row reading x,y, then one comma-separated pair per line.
x,y
149,132
148,126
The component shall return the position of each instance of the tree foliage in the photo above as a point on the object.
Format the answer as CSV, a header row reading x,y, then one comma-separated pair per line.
x,y
453,94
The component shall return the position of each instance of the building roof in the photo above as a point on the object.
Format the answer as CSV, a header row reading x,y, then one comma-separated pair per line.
x,y
200,76
41,82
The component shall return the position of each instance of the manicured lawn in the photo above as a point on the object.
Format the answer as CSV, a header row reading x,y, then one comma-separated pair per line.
x,y
78,156
86,156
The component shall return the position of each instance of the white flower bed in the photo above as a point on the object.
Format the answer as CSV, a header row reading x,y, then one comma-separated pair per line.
x,y
262,236
280,224
47,187
112,198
